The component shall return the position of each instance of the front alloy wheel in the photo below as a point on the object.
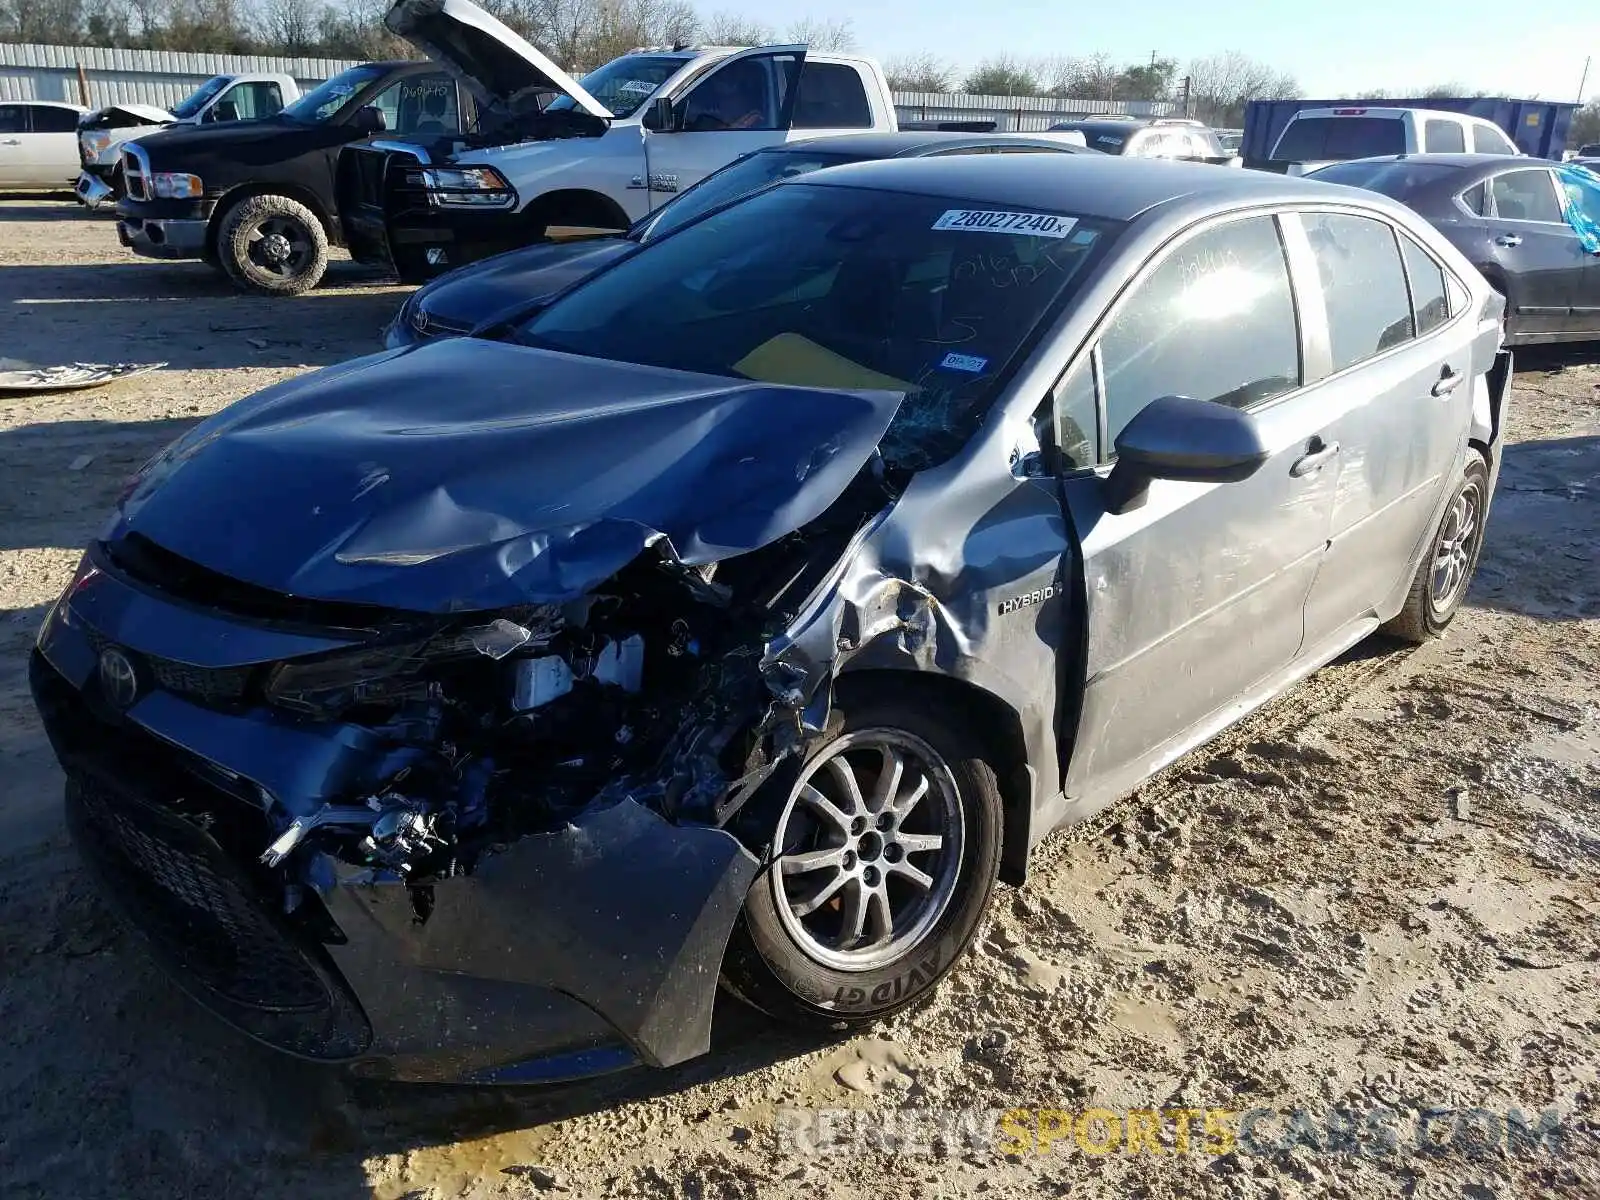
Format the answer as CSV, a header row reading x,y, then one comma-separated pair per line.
x,y
882,851
868,850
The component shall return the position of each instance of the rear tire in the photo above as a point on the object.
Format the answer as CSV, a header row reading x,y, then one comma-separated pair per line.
x,y
272,245
1445,571
909,856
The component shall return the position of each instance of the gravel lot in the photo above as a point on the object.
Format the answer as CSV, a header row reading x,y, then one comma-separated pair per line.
x,y
1383,891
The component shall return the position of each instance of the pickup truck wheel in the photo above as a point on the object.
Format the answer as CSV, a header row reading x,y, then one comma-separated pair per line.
x,y
1446,569
885,850
272,244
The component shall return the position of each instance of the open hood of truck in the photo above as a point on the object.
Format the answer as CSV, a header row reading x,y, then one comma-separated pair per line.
x,y
498,66
121,113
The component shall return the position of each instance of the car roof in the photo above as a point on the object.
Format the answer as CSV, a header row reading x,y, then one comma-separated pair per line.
x,y
48,104
910,143
1481,163
1105,186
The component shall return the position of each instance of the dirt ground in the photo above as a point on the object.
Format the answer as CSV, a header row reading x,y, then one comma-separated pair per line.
x,y
1380,897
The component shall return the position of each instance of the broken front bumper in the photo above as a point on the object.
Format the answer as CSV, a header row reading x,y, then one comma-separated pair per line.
x,y
164,229
92,191
564,953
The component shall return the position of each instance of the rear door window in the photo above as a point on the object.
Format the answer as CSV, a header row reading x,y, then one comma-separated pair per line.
x,y
1527,195
831,96
1215,321
1444,137
1307,139
1429,304
1363,285
14,118
1486,139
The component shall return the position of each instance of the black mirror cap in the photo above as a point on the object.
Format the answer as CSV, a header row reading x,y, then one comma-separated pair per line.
x,y
661,116
1195,441
369,119
1183,439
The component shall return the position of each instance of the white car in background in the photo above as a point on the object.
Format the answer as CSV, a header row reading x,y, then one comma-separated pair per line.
x,y
38,144
1318,137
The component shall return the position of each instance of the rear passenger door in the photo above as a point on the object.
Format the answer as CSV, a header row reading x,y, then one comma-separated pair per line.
x,y
1198,596
1389,370
1540,252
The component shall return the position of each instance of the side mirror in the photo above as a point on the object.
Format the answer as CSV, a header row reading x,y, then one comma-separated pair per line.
x,y
1180,438
661,116
369,120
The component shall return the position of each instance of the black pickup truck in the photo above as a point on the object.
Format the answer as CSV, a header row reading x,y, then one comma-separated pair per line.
x,y
256,201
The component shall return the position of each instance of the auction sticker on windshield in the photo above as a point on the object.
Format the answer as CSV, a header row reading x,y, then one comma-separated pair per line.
x,y
975,220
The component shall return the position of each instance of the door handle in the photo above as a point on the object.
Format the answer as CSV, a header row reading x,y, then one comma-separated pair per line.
x,y
1508,239
1319,452
11,142
1449,381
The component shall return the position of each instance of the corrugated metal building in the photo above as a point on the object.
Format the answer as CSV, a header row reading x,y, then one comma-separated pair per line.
x,y
161,77
164,77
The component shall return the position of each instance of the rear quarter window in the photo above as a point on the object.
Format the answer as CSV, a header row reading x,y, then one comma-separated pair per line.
x,y
1444,137
831,96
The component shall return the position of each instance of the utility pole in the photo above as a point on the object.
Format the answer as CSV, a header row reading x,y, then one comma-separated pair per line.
x,y
1583,82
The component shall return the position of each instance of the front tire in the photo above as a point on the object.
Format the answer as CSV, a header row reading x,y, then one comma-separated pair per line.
x,y
1446,570
273,245
885,851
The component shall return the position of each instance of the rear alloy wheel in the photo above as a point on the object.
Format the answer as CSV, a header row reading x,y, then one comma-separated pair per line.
x,y
273,244
1446,570
885,850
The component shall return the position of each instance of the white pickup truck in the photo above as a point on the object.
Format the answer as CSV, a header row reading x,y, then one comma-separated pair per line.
x,y
247,96
549,152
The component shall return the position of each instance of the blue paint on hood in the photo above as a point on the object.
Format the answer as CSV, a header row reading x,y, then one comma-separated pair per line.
x,y
469,475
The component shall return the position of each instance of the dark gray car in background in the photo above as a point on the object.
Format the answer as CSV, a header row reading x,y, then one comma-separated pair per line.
x,y
456,303
1507,216
467,711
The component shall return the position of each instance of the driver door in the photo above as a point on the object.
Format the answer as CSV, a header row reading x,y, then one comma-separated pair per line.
x,y
744,104
1196,598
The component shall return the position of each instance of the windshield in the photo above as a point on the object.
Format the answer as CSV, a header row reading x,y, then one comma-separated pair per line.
x,y
1397,179
863,289
323,101
746,175
625,83
191,104
1310,139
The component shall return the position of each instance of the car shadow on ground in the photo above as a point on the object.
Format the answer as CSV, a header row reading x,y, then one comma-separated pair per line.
x,y
1541,552
96,456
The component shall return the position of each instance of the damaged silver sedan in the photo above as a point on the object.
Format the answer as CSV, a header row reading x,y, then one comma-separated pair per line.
x,y
745,612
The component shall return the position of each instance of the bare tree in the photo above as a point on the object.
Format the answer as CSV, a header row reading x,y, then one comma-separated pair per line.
x,y
734,29
291,26
921,73
822,34
1220,86
1003,76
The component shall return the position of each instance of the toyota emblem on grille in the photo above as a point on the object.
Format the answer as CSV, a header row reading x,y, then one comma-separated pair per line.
x,y
118,680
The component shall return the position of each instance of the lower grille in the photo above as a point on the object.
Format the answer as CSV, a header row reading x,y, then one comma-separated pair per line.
x,y
196,909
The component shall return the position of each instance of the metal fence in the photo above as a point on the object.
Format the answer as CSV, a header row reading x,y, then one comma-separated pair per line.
x,y
164,77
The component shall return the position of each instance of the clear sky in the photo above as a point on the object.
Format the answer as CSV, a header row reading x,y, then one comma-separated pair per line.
x,y
1331,48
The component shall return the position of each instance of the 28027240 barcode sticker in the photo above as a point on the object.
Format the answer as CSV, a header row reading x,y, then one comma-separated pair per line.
x,y
975,220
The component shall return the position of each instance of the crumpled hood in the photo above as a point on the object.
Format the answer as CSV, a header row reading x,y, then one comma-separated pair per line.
x,y
496,64
470,475
149,113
